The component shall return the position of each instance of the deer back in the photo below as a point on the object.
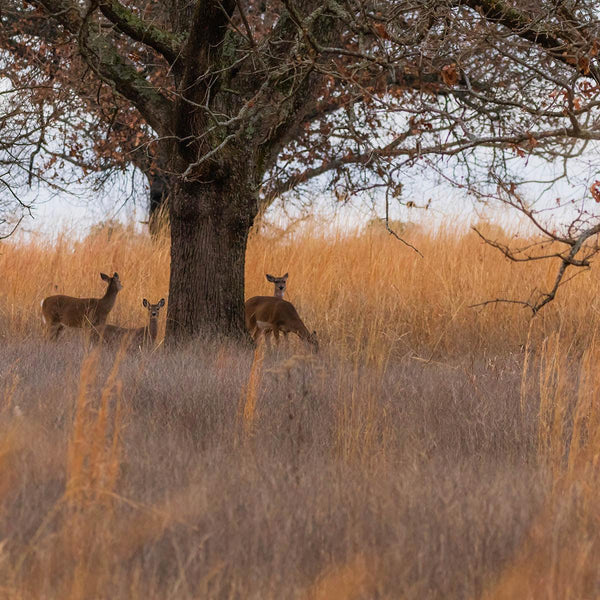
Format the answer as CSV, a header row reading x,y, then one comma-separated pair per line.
x,y
78,312
73,312
274,312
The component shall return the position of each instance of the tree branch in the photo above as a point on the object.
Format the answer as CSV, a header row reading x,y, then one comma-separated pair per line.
x,y
127,22
566,261
511,18
111,67
394,149
201,54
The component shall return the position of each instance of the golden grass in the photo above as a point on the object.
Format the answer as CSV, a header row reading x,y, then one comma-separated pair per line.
x,y
365,294
373,303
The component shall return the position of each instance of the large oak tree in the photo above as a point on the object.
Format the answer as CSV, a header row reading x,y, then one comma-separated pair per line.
x,y
226,103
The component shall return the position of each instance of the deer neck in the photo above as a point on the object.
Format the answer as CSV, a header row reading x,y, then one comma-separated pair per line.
x,y
108,300
306,335
302,331
279,294
153,328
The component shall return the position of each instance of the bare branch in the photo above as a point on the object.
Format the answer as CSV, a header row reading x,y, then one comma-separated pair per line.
x,y
567,260
102,56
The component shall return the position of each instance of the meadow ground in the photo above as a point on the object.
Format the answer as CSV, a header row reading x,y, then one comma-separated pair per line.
x,y
431,450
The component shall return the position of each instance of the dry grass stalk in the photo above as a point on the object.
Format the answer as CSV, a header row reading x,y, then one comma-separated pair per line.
x,y
93,453
253,386
569,443
94,461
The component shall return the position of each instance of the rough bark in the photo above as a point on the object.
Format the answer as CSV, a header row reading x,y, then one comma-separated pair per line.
x,y
209,231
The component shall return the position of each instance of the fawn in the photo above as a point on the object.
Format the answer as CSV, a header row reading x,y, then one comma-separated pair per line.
x,y
141,337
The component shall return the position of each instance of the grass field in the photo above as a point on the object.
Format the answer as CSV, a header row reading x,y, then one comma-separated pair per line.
x,y
430,450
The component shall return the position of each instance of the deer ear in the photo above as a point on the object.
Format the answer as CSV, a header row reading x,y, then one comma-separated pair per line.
x,y
285,277
270,278
162,302
105,277
145,303
116,275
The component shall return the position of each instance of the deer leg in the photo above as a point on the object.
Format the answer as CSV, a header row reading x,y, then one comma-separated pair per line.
x,y
276,335
265,331
54,330
267,334
96,335
286,341
256,335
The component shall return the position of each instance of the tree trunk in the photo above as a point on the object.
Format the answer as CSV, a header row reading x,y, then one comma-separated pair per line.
x,y
161,183
157,205
209,233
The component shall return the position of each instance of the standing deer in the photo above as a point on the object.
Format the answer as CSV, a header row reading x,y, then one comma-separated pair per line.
x,y
268,314
279,284
58,311
141,337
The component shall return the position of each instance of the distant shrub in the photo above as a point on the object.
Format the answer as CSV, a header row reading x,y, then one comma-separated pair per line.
x,y
377,224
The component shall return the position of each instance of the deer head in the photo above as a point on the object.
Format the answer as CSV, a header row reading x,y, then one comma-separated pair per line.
x,y
279,283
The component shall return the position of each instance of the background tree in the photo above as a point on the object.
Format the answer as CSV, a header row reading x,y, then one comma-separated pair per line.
x,y
230,101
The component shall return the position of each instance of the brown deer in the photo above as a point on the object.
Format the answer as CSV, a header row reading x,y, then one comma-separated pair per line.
x,y
279,284
58,311
268,314
141,337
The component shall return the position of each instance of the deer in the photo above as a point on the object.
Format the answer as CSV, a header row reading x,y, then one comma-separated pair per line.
x,y
140,337
279,284
60,311
269,314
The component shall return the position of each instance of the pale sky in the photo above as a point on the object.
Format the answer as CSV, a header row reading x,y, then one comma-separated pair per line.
x,y
76,211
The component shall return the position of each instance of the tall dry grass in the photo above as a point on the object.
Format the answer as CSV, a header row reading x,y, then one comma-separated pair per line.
x,y
431,450
364,293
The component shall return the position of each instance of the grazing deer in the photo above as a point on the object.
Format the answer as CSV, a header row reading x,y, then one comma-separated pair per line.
x,y
268,314
58,311
141,337
279,284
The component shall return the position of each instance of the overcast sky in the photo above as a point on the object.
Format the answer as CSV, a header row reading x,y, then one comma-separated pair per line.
x,y
55,212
